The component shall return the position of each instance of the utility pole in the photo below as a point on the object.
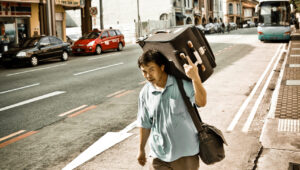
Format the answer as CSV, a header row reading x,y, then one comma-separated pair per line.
x,y
50,8
206,10
86,18
240,24
139,19
101,14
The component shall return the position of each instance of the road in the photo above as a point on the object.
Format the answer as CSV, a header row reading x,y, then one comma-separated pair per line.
x,y
102,92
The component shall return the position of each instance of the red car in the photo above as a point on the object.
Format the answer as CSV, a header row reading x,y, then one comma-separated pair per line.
x,y
98,41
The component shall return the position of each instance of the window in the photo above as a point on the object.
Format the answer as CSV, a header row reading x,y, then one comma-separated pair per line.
x,y
112,33
238,8
55,40
45,40
104,35
118,32
163,16
230,10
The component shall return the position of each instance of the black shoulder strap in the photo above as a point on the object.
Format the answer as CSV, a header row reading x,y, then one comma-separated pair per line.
x,y
192,110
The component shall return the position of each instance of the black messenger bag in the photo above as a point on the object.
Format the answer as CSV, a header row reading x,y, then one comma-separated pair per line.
x,y
176,43
211,139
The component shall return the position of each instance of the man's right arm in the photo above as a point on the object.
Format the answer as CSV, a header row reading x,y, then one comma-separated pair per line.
x,y
144,135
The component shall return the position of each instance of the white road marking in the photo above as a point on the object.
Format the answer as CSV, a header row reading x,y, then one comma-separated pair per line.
x,y
271,114
96,58
73,110
260,97
275,94
32,100
105,142
100,68
246,102
34,70
36,84
12,135
115,93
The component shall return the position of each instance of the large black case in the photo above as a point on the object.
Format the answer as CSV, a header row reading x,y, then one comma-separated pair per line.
x,y
172,42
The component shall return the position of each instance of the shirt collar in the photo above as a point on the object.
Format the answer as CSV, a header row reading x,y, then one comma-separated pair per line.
x,y
170,82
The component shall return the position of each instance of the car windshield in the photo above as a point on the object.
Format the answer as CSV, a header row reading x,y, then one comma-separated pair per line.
x,y
91,35
274,13
31,42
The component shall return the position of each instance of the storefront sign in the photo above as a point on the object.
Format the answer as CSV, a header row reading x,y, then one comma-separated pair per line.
x,y
69,3
15,9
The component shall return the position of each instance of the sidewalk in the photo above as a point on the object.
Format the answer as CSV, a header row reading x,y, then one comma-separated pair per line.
x,y
279,143
281,134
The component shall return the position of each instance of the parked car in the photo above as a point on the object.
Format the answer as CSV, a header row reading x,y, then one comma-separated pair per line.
x,y
217,27
233,26
210,28
201,28
36,49
98,41
248,24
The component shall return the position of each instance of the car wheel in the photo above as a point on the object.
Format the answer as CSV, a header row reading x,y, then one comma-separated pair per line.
x,y
120,47
98,50
34,61
64,56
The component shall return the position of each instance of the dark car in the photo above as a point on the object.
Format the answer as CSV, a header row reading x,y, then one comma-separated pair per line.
x,y
36,49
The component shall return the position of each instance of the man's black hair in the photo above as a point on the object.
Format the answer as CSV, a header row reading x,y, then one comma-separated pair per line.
x,y
153,56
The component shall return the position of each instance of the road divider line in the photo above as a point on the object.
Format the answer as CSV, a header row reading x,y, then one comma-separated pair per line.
x,y
71,111
123,94
32,100
115,93
274,99
100,68
260,97
17,138
34,70
96,58
82,111
20,88
12,135
246,102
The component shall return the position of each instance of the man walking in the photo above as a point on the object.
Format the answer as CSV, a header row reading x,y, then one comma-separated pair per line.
x,y
163,116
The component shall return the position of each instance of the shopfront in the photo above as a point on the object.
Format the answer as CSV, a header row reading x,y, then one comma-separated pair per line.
x,y
14,23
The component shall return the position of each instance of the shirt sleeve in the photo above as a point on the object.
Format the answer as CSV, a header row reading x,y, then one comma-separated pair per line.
x,y
143,119
189,90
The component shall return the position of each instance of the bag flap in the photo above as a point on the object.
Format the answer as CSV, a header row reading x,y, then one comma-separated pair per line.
x,y
216,131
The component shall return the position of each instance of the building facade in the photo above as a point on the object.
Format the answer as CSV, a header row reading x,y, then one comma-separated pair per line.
x,y
20,19
139,17
239,11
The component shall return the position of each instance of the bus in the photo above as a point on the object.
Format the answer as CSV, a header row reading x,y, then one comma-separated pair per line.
x,y
274,20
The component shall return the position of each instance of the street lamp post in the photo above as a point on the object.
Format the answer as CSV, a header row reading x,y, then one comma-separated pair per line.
x,y
240,24
101,14
139,19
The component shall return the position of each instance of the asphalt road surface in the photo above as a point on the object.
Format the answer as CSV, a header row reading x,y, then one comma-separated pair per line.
x,y
63,107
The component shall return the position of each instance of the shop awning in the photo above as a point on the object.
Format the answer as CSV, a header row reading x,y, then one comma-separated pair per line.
x,y
180,15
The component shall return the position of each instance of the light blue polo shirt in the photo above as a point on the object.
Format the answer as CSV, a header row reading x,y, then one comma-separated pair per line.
x,y
173,133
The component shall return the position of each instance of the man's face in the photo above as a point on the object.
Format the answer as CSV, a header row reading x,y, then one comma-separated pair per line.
x,y
152,72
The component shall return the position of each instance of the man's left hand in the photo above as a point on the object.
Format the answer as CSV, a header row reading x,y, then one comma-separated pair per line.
x,y
191,70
